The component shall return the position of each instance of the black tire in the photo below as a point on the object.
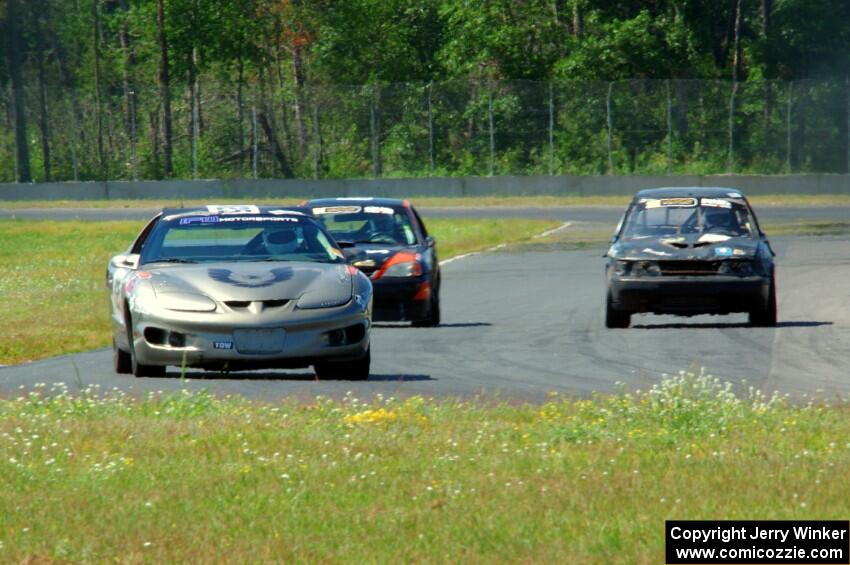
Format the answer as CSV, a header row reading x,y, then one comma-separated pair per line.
x,y
345,370
616,318
121,361
137,368
433,318
766,315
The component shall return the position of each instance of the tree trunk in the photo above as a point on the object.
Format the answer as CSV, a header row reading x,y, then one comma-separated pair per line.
x,y
165,90
578,21
14,56
736,45
298,70
270,135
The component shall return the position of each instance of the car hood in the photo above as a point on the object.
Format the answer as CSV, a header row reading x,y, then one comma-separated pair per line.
x,y
254,281
691,247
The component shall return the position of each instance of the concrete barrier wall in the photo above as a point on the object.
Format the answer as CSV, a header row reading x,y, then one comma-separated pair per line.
x,y
563,185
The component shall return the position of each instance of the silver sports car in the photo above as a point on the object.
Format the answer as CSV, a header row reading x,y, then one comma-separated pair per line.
x,y
230,288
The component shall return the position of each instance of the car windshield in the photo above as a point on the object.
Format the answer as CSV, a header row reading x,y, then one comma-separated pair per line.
x,y
659,217
196,238
367,224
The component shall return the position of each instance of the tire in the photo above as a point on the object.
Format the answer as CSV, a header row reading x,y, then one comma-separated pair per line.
x,y
345,370
121,361
766,315
433,318
137,368
616,318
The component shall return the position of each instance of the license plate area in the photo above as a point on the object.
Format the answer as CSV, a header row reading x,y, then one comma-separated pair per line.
x,y
259,341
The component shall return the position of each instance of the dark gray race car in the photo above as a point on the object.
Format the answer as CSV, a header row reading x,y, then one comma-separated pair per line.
x,y
690,251
238,287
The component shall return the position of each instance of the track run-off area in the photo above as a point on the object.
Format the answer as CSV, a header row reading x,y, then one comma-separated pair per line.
x,y
521,322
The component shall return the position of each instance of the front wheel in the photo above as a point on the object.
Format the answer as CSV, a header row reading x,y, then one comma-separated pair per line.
x,y
432,320
138,369
616,318
341,370
121,361
766,314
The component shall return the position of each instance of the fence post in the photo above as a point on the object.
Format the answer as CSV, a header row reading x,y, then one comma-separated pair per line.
x,y
254,142
551,129
196,112
847,83
788,128
74,136
492,132
431,132
730,157
669,129
134,160
317,138
374,127
610,128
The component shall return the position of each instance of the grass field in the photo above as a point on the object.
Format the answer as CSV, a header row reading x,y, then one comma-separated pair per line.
x,y
487,201
53,298
190,478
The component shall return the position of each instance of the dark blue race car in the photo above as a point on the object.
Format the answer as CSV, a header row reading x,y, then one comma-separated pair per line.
x,y
690,251
387,240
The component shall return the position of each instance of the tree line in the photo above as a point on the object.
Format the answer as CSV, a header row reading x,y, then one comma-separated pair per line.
x,y
108,89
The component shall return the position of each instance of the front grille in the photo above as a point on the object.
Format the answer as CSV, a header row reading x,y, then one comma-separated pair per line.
x,y
690,268
238,304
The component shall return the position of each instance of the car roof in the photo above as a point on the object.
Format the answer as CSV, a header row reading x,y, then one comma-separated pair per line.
x,y
354,200
207,210
698,191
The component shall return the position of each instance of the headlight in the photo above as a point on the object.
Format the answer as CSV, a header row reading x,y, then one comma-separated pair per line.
x,y
185,302
622,268
737,268
646,269
313,300
402,264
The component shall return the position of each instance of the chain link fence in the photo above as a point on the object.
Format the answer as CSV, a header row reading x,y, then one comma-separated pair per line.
x,y
452,128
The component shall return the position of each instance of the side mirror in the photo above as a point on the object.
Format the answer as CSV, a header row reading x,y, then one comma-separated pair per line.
x,y
430,241
130,261
345,244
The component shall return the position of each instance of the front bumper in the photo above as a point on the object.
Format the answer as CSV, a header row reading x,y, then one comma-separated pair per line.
x,y
688,295
397,300
211,341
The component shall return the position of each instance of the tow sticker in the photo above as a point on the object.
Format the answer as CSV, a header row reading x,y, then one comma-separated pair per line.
x,y
222,345
723,251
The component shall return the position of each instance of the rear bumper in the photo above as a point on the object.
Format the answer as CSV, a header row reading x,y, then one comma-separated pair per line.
x,y
397,301
688,295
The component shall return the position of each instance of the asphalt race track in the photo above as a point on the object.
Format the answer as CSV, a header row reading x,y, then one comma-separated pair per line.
x,y
518,324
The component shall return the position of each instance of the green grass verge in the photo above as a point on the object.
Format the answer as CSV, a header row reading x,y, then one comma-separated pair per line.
x,y
191,478
53,298
485,201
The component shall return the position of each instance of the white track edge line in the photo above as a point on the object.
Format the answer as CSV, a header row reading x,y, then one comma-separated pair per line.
x,y
501,245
